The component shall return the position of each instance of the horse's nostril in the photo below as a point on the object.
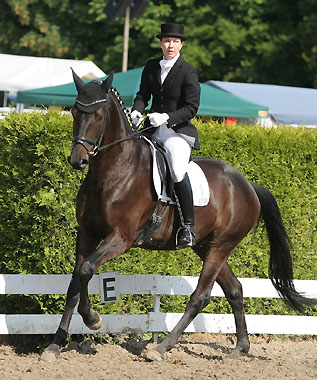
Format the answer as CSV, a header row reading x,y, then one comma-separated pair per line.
x,y
78,164
84,162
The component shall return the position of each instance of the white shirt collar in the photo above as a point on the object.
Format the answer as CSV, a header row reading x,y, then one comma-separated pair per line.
x,y
168,63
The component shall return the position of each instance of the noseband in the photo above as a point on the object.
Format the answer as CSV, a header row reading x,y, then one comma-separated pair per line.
x,y
82,140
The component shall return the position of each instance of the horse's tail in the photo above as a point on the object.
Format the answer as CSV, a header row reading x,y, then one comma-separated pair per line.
x,y
280,264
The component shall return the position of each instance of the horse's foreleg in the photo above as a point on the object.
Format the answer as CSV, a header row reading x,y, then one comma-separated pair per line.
x,y
233,292
72,298
62,331
110,248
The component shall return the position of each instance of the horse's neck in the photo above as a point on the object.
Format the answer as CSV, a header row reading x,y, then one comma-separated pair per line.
x,y
117,125
124,158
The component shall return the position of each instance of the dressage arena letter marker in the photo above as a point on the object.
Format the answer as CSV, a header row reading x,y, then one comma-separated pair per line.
x,y
109,287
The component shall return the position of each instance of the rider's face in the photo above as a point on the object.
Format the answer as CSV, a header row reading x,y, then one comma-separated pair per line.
x,y
171,46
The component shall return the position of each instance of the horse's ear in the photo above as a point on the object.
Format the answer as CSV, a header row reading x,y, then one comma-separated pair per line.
x,y
78,82
106,84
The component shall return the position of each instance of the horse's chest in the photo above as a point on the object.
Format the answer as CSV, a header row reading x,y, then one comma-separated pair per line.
x,y
91,207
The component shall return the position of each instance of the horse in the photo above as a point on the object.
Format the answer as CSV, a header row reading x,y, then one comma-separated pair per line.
x,y
116,199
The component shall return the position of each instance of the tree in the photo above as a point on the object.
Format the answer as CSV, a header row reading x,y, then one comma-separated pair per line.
x,y
259,41
54,28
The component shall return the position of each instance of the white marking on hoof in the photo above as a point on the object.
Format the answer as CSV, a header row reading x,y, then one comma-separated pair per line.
x,y
48,356
97,325
150,354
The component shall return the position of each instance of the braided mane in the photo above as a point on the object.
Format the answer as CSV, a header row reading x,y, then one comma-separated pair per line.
x,y
125,110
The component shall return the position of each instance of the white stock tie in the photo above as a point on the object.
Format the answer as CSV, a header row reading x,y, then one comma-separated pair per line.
x,y
166,65
165,68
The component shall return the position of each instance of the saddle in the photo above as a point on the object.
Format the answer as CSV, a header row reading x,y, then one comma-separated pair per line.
x,y
164,187
163,170
160,164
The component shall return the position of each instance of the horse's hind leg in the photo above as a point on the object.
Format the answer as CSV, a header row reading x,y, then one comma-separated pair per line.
x,y
233,292
200,298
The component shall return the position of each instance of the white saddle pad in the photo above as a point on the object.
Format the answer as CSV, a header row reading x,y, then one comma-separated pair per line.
x,y
196,176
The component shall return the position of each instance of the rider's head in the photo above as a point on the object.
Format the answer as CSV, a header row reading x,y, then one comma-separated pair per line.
x,y
171,39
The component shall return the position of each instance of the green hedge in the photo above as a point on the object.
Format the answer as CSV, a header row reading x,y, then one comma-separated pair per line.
x,y
37,214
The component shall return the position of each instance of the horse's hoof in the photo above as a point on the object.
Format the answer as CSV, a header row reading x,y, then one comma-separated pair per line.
x,y
237,353
97,325
50,354
151,354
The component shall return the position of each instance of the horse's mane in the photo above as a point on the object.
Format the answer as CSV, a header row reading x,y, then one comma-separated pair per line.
x,y
125,110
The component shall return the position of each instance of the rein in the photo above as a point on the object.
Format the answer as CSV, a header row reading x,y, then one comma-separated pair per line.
x,y
132,136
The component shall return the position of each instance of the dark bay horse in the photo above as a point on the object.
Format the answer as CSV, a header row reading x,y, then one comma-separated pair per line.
x,y
116,200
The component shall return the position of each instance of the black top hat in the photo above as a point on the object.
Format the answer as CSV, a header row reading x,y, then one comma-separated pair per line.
x,y
172,30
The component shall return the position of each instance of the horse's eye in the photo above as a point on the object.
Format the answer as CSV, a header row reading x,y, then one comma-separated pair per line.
x,y
100,118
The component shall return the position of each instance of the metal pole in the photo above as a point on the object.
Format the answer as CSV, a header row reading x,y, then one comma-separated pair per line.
x,y
126,38
5,99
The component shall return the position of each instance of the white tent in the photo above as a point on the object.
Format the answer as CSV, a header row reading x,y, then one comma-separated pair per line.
x,y
287,105
20,73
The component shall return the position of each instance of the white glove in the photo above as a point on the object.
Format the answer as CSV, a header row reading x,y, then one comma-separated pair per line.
x,y
157,119
136,117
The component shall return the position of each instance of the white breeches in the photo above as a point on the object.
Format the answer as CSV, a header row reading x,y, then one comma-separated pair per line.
x,y
178,151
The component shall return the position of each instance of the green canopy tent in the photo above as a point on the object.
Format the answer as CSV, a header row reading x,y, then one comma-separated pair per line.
x,y
213,101
223,104
127,83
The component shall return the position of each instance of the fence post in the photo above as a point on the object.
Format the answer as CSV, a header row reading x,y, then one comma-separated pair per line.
x,y
157,305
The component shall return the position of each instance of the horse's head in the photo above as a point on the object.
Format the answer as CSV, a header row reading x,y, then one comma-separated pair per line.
x,y
89,114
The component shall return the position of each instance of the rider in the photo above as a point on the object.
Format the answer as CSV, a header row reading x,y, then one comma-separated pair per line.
x,y
174,86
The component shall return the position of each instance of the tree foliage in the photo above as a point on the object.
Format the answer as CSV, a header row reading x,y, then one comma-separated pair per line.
x,y
259,41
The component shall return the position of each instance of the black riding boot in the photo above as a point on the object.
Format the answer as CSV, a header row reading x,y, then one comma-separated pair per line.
x,y
185,236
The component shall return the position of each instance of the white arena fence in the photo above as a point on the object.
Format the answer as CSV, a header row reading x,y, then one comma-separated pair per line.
x,y
111,285
5,111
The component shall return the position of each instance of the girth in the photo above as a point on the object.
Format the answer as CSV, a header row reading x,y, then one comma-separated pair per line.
x,y
151,226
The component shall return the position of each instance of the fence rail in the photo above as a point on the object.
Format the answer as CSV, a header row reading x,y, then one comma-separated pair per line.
x,y
111,285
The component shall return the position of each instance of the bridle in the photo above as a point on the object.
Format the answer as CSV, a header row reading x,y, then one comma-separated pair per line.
x,y
96,144
82,140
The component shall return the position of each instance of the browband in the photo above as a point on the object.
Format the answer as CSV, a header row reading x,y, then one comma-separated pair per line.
x,y
90,104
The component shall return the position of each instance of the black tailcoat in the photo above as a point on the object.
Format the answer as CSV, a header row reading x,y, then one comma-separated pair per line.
x,y
179,95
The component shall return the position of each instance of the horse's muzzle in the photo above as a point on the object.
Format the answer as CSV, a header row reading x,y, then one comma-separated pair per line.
x,y
78,158
78,164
